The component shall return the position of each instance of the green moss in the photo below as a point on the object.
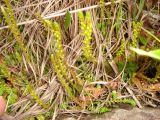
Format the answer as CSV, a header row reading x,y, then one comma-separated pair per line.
x,y
10,93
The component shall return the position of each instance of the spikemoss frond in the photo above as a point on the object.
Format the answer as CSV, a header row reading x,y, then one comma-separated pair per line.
x,y
12,24
58,57
122,48
11,21
86,27
118,101
61,77
136,31
115,100
31,90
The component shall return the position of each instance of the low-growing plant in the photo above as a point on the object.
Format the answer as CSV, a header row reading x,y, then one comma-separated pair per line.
x,y
11,21
58,60
136,31
116,100
86,27
121,50
129,70
8,91
40,60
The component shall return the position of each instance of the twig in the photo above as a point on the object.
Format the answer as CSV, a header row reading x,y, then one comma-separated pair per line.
x,y
150,14
53,15
133,96
155,99
149,33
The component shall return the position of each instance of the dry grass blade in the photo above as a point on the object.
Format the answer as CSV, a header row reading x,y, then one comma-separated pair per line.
x,y
80,63
60,14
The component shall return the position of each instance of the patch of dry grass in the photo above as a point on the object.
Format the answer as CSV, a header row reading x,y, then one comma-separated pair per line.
x,y
111,25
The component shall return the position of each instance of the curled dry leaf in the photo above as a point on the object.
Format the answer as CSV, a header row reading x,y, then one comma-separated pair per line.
x,y
91,93
95,92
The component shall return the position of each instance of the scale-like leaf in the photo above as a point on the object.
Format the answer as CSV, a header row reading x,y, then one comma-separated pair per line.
x,y
67,20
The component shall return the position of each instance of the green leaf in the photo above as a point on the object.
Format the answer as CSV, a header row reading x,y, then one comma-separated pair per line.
x,y
131,67
153,54
151,34
141,5
67,20
143,40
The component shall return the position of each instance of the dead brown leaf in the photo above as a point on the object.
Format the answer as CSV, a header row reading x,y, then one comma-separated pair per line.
x,y
1,58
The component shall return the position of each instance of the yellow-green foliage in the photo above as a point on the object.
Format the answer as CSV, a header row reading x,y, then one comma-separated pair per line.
x,y
136,31
110,103
58,57
4,72
118,101
12,95
61,77
122,48
7,91
10,19
59,52
31,90
86,27
39,117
